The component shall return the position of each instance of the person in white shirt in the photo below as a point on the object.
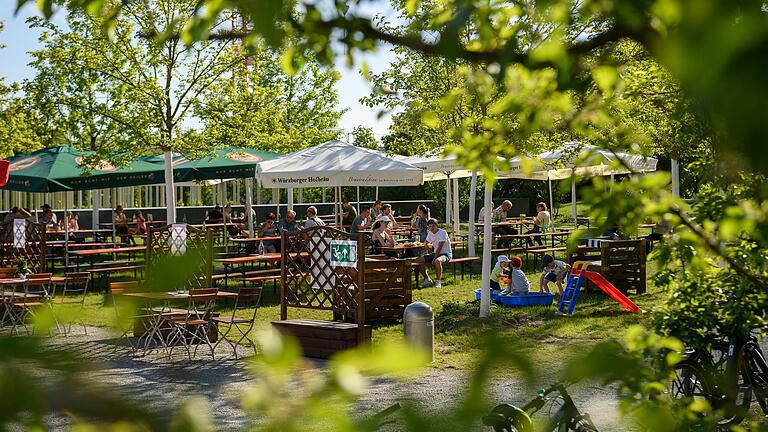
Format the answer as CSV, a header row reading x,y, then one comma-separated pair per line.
x,y
554,271
540,223
441,254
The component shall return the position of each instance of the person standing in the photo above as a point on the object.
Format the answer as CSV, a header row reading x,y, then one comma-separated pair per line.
x,y
438,240
419,222
121,224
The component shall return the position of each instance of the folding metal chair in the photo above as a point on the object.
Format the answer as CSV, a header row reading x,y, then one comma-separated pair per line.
x,y
75,290
242,322
195,326
34,296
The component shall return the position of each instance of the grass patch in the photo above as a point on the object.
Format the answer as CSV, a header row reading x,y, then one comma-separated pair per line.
x,y
548,337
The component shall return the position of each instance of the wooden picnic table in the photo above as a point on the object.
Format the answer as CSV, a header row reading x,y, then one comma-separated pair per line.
x,y
171,295
61,244
400,249
254,239
107,251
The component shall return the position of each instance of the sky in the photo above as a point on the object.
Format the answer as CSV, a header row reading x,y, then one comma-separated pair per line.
x,y
19,39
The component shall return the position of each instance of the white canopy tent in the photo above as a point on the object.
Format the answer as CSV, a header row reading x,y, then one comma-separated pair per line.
x,y
570,161
336,164
437,166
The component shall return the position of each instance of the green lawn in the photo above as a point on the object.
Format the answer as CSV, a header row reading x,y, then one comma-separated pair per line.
x,y
547,336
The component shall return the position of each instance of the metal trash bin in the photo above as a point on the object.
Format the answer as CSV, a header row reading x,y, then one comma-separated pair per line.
x,y
419,324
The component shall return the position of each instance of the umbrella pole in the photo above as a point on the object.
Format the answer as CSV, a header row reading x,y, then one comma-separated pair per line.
x,y
358,200
276,201
290,198
573,202
485,295
170,199
95,208
377,193
471,229
551,206
112,201
224,231
249,205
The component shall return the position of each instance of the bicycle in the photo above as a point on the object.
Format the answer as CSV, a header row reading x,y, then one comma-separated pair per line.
x,y
729,376
509,418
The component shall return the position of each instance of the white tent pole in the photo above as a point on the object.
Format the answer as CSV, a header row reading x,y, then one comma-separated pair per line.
x,y
456,206
447,199
301,195
276,201
95,206
258,192
322,191
290,199
675,178
485,297
472,198
249,205
358,200
377,193
170,198
551,206
573,201
611,185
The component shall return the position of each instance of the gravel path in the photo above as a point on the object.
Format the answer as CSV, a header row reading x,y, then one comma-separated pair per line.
x,y
161,384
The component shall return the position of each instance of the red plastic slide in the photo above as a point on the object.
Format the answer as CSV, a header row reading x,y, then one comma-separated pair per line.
x,y
611,290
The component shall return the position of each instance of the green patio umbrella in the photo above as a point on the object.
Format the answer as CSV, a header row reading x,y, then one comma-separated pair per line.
x,y
60,169
225,163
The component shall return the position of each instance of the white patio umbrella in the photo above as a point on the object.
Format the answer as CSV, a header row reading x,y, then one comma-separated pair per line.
x,y
336,164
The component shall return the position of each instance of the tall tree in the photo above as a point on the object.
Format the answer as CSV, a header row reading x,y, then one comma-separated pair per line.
x,y
126,96
363,137
264,107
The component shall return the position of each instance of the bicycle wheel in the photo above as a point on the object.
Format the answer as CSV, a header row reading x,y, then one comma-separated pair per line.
x,y
732,409
690,381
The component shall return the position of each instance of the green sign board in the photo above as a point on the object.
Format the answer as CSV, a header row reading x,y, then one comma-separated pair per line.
x,y
343,253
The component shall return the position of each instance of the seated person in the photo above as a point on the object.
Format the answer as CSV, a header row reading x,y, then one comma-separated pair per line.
x,y
381,236
499,272
361,222
540,224
499,215
312,219
215,215
348,213
518,282
376,210
288,223
386,210
554,271
438,239
269,229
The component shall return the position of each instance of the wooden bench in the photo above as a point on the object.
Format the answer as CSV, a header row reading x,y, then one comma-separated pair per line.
x,y
540,251
463,261
322,339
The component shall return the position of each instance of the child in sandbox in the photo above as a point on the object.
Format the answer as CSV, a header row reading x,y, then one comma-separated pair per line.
x,y
500,273
554,271
518,282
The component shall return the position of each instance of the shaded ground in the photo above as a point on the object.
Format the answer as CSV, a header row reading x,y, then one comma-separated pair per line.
x,y
162,384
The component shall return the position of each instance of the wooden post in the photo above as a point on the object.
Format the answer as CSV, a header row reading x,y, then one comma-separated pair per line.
x,y
283,278
361,289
